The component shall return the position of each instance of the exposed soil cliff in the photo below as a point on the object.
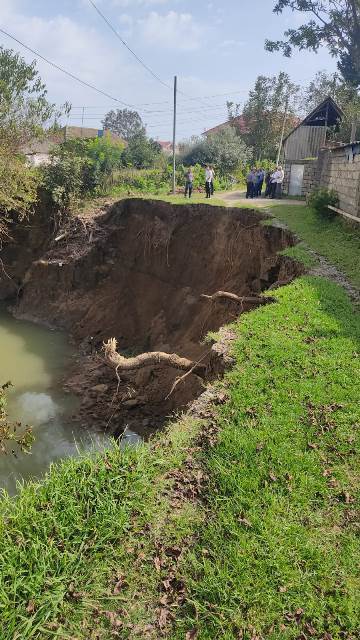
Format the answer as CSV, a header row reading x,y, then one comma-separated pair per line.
x,y
137,272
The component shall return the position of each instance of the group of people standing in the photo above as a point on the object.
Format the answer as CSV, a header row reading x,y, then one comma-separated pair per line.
x,y
209,182
273,183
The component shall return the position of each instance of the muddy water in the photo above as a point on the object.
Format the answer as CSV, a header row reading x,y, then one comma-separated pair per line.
x,y
35,359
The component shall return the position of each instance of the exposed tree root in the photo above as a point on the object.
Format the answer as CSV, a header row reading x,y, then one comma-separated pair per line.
x,y
120,363
232,296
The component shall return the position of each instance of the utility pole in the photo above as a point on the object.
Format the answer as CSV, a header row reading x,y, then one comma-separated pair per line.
x,y
174,137
282,131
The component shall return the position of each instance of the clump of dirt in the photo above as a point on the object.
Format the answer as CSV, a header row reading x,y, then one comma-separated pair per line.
x,y
138,274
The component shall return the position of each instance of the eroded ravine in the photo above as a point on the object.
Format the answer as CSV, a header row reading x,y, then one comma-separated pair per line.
x,y
137,272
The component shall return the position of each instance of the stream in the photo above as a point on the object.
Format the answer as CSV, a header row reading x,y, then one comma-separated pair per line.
x,y
35,359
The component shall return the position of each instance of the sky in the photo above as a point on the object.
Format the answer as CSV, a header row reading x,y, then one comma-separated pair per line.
x,y
216,50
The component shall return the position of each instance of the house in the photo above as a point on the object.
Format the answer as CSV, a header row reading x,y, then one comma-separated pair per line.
x,y
238,123
37,151
302,147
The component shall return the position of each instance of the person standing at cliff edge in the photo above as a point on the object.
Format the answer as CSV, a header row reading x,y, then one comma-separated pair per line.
x,y
189,182
209,181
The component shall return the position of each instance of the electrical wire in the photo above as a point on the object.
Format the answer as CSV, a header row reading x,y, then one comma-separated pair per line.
x,y
107,21
68,73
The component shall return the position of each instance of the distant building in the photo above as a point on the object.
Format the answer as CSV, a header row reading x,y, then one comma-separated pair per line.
x,y
167,147
238,123
37,152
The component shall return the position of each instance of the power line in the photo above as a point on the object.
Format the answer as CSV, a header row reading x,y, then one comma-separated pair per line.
x,y
107,21
148,104
71,75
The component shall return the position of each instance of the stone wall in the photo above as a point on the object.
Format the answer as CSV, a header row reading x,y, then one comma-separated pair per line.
x,y
311,176
336,168
339,169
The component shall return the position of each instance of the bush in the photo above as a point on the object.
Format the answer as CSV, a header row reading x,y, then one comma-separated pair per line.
x,y
145,181
78,168
220,182
321,199
18,189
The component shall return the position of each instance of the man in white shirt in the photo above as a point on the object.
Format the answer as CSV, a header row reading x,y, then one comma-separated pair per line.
x,y
277,179
209,181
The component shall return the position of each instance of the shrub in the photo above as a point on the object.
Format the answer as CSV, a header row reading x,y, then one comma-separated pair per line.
x,y
80,167
145,181
18,189
321,199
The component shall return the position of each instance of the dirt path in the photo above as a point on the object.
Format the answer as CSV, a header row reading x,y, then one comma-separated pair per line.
x,y
232,197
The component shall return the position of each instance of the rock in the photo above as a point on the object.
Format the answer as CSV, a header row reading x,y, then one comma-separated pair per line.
x,y
100,388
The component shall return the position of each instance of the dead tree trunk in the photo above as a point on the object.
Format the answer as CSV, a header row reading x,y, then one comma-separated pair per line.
x,y
119,362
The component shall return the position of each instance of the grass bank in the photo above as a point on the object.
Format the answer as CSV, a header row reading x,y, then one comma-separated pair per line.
x,y
281,528
271,553
120,545
334,239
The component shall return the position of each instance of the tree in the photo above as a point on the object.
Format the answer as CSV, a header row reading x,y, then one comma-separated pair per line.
x,y
141,152
334,24
227,151
24,113
264,113
125,123
223,149
24,108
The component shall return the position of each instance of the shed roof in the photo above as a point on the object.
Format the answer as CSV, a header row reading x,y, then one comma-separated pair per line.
x,y
326,113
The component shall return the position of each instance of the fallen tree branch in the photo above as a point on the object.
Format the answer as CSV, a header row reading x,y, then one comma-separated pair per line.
x,y
232,296
120,363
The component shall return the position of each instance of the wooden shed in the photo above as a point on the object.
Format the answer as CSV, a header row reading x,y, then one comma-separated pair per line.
x,y
306,140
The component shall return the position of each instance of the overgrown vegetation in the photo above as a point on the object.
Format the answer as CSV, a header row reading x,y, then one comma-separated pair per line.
x,y
78,168
224,149
24,112
321,199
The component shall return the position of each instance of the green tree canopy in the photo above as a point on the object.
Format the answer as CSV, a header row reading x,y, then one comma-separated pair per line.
x,y
264,113
24,108
141,152
125,123
24,113
334,24
223,149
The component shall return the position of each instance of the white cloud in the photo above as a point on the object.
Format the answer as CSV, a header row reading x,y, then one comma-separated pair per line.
x,y
171,31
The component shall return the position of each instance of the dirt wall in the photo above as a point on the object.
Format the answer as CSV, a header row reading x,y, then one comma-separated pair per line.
x,y
137,273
